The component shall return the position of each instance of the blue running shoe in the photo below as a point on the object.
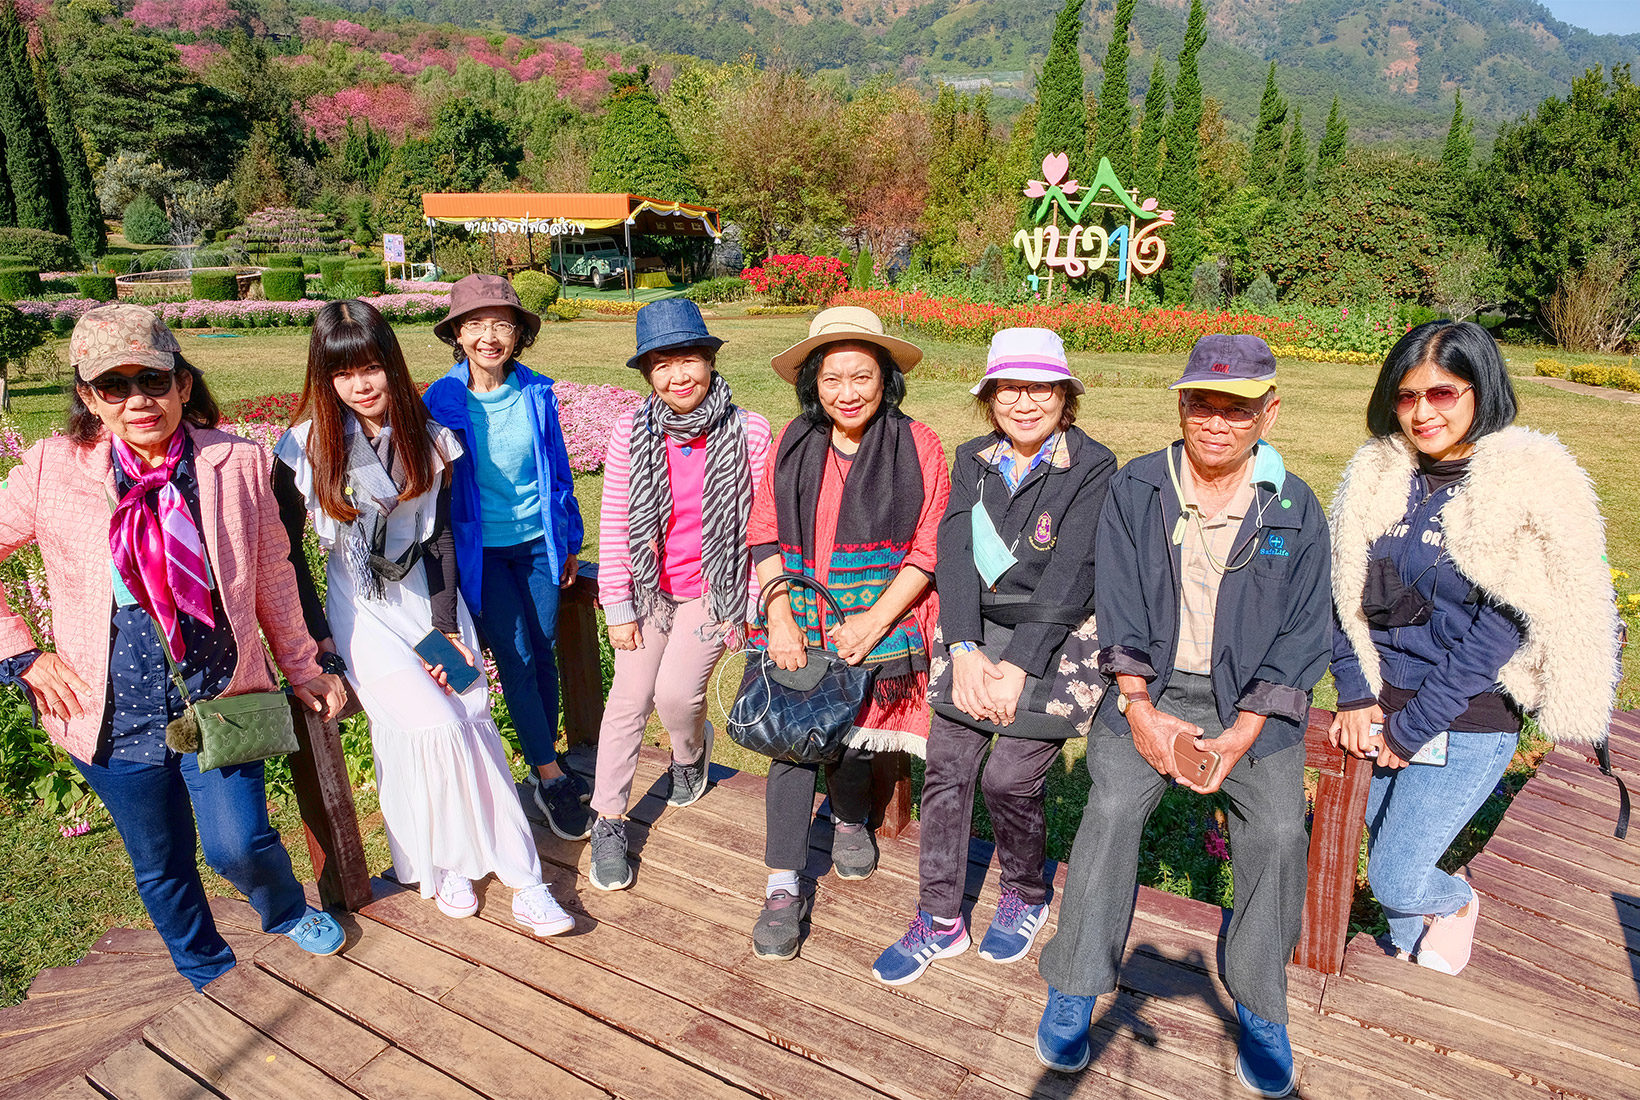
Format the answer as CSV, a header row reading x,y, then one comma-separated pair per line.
x,y
905,960
318,934
1013,929
1264,1057
1062,1036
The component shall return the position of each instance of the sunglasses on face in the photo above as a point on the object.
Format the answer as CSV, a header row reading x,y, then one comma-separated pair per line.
x,y
1441,398
1009,393
1237,416
115,388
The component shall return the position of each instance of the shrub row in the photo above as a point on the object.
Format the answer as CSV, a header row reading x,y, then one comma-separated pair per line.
x,y
284,284
729,288
1612,375
19,282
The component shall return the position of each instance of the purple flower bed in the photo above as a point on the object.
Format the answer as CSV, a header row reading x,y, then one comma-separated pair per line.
x,y
197,313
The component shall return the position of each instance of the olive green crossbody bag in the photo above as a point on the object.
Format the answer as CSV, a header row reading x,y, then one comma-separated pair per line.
x,y
235,729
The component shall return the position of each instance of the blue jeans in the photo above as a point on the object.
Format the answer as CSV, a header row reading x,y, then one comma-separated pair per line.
x,y
1413,815
154,807
519,622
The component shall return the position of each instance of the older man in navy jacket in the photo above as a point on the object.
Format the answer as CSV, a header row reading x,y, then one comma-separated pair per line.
x,y
1214,623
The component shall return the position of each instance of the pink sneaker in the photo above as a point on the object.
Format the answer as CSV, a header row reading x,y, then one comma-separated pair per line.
x,y
1445,947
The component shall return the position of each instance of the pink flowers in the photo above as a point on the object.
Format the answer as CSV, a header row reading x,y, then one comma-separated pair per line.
x,y
391,108
198,313
588,415
188,16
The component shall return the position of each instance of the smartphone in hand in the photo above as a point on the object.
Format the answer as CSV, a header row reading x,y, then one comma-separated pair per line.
x,y
1198,767
437,650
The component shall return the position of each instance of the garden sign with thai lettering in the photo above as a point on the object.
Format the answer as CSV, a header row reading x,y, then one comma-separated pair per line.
x,y
1083,248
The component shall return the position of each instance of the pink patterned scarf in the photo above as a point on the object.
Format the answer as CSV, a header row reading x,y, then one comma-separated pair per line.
x,y
160,558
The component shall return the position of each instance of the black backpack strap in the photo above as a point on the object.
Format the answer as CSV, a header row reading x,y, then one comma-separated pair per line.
x,y
1603,755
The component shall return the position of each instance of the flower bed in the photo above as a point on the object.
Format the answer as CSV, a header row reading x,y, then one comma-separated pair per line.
x,y
1613,375
798,279
196,313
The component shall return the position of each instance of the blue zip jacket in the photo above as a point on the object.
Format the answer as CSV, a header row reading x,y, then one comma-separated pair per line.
x,y
446,401
1450,659
1273,618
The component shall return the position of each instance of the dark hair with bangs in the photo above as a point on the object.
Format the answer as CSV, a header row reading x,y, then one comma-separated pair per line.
x,y
350,335
808,379
1067,415
1463,349
85,427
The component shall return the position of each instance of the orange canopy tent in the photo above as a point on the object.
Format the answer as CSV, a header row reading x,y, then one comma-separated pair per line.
x,y
556,214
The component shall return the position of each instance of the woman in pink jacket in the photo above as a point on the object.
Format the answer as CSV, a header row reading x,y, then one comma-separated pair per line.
x,y
675,574
157,530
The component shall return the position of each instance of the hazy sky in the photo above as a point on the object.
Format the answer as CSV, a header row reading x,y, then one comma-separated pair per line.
x,y
1600,16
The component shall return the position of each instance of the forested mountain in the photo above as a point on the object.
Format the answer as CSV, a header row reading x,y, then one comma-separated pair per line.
x,y
1393,63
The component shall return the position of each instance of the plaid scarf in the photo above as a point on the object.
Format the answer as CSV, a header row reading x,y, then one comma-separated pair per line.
x,y
726,506
160,556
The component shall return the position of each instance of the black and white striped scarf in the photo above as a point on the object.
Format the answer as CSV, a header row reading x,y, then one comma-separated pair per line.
x,y
725,510
375,476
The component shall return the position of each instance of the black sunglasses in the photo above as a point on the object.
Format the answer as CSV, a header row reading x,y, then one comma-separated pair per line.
x,y
115,388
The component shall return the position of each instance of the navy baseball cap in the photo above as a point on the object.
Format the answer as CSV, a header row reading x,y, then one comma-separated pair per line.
x,y
1237,364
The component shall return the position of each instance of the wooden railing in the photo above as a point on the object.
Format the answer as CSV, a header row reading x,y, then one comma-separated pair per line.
x,y
326,801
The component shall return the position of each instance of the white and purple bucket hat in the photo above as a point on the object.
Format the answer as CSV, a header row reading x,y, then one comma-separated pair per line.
x,y
1028,355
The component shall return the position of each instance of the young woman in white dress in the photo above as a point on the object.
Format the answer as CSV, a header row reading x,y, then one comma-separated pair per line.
x,y
372,471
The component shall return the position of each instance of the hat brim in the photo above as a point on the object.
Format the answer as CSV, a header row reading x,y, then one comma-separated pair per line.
x,y
1240,387
674,340
446,329
1031,374
904,353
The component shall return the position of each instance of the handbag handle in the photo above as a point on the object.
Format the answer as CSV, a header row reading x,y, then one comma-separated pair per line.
x,y
805,582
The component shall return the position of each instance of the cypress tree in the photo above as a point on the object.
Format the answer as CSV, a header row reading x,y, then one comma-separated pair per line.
x,y
1147,163
1114,125
1331,152
81,211
638,151
1264,159
1181,167
1061,116
28,165
8,209
1460,147
1295,176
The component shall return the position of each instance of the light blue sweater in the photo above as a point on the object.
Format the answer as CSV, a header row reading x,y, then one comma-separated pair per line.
x,y
503,453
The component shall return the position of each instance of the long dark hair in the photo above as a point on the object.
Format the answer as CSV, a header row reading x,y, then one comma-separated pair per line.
x,y
808,380
1464,349
351,335
85,427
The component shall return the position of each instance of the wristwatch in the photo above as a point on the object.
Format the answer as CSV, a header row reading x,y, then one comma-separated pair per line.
x,y
1128,698
333,663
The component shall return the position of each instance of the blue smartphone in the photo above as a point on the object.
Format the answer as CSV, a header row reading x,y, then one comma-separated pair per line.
x,y
436,649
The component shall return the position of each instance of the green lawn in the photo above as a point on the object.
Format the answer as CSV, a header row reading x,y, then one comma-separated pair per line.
x,y
58,895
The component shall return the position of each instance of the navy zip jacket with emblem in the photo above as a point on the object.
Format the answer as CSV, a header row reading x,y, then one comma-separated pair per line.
x,y
1272,626
1048,522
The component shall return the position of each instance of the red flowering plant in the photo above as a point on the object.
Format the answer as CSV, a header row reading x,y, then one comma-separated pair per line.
x,y
797,279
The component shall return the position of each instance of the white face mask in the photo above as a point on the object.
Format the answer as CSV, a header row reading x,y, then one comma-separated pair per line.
x,y
992,557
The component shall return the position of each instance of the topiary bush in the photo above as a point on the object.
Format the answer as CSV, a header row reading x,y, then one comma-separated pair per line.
x,y
146,222
332,269
1261,292
215,286
284,284
16,261
280,259
99,287
46,251
537,291
371,277
19,282
115,265
310,265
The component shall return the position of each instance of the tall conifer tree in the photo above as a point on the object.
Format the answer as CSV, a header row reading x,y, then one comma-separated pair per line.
x,y
638,151
28,163
1114,125
80,211
1333,143
1061,116
1264,157
1460,145
1147,160
1181,167
1295,177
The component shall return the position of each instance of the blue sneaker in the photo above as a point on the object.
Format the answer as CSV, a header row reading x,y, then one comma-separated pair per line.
x,y
1013,929
905,960
318,934
1062,1036
1264,1057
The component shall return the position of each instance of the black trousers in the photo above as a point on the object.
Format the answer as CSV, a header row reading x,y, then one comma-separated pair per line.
x,y
1013,782
788,800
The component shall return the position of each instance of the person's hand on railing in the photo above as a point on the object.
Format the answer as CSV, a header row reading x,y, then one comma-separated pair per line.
x,y
325,694
1352,731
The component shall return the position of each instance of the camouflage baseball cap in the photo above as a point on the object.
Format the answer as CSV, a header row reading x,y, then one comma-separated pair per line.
x,y
116,335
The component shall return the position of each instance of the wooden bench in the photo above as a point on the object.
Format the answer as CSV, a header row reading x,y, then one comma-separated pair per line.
x,y
326,801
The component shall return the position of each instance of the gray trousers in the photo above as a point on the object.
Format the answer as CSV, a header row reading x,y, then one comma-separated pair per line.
x,y
1269,846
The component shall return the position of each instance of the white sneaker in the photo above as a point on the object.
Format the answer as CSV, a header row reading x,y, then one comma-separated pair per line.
x,y
535,909
455,895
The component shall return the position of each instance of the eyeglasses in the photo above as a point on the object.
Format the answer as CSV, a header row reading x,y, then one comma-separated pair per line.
x,y
115,388
1237,416
475,329
1440,398
1009,393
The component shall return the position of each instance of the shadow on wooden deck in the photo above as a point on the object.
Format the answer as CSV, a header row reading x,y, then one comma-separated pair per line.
x,y
657,993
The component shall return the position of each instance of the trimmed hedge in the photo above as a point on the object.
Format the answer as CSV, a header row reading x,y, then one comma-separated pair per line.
x,y
280,259
728,288
332,269
537,291
46,251
372,277
115,265
100,287
310,265
215,286
17,261
284,284
19,282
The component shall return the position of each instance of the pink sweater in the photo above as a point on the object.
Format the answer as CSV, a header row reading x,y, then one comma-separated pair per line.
x,y
58,497
683,536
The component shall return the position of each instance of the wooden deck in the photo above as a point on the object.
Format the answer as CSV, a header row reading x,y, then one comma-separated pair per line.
x,y
657,994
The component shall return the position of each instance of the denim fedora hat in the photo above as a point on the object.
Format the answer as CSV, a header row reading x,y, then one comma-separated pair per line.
x,y
671,323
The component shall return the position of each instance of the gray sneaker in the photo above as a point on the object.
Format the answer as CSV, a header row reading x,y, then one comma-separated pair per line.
x,y
689,780
779,927
610,869
853,853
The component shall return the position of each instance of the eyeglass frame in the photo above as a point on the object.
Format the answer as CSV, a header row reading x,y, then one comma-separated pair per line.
x,y
133,384
1407,400
1020,388
489,327
1192,402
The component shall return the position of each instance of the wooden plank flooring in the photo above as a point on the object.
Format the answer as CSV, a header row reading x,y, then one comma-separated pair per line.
x,y
658,995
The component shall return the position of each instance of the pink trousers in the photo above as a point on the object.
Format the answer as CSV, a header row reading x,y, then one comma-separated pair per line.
x,y
667,675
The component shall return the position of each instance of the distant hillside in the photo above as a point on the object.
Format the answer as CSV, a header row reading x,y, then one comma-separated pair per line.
x,y
1394,63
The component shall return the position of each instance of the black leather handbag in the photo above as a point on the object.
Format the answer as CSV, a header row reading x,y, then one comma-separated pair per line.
x,y
799,715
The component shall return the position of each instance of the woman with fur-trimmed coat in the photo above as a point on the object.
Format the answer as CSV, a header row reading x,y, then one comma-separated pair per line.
x,y
1470,585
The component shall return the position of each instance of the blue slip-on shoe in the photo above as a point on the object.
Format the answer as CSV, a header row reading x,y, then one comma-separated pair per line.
x,y
1264,1057
318,933
1062,1036
906,959
1013,929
